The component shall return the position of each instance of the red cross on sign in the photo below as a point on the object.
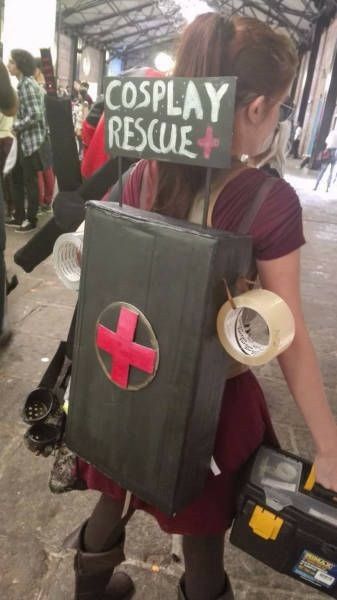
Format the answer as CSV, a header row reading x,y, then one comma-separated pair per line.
x,y
208,143
125,353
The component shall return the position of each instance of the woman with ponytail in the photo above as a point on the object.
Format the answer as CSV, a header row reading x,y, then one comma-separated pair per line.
x,y
265,64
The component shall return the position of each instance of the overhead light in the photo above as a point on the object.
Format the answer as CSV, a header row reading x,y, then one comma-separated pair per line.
x,y
190,9
163,62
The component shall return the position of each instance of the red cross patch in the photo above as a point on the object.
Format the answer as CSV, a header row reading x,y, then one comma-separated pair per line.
x,y
126,346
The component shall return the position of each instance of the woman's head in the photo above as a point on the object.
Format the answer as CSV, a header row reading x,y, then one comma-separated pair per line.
x,y
264,63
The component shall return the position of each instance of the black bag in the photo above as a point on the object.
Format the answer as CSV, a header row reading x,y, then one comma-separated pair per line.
x,y
156,436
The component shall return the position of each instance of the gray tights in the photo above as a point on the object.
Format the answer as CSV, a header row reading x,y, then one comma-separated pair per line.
x,y
204,571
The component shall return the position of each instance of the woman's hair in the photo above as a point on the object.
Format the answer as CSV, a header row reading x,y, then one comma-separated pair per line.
x,y
25,62
264,62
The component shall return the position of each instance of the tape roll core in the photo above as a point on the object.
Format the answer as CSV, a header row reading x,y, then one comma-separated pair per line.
x,y
235,331
67,259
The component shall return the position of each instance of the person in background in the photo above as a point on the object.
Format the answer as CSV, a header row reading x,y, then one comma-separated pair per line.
x,y
91,122
8,106
84,91
6,141
80,113
75,90
46,178
329,159
31,130
296,142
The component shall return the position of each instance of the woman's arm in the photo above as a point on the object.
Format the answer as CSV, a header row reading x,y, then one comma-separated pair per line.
x,y
300,367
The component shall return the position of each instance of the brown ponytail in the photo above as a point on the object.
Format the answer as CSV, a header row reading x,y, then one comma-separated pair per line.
x,y
264,62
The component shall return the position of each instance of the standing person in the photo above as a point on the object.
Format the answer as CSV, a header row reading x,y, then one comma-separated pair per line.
x,y
31,131
46,178
8,105
296,141
84,91
89,125
80,113
265,64
6,141
329,159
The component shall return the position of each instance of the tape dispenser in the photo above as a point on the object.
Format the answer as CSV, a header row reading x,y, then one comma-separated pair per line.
x,y
287,521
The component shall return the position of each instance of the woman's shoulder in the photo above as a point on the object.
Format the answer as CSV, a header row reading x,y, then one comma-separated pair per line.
x,y
277,228
280,195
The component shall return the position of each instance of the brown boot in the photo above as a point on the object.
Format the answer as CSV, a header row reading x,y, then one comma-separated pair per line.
x,y
226,595
93,572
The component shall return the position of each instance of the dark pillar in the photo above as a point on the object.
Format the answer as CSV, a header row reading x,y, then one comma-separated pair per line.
x,y
327,114
319,28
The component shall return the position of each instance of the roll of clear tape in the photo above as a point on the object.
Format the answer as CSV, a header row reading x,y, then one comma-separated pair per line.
x,y
260,328
67,255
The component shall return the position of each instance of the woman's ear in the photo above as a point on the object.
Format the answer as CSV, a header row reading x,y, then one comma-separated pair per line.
x,y
256,110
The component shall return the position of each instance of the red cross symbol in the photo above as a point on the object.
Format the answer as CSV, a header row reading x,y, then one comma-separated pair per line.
x,y
125,353
208,142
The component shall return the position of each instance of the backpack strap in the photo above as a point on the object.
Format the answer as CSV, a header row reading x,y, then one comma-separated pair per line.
x,y
256,204
114,194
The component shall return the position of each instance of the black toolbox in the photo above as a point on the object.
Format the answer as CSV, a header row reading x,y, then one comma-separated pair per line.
x,y
286,521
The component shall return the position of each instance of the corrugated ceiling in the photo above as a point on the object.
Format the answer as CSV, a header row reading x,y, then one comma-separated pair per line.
x,y
126,26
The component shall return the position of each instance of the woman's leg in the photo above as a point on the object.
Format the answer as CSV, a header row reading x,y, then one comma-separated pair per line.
x,y
40,181
105,526
100,548
320,175
332,166
205,577
49,183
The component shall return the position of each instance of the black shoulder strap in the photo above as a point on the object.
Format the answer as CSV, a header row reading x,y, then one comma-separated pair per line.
x,y
71,335
114,194
259,199
113,197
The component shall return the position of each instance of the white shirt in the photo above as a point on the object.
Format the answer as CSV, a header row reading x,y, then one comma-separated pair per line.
x,y
298,133
331,140
6,124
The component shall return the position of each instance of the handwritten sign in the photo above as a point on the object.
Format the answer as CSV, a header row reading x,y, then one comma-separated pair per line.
x,y
172,119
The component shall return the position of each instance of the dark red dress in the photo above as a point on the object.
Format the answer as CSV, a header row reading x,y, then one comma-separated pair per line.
x,y
244,422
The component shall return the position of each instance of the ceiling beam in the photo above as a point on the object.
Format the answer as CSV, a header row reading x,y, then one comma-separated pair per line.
x,y
67,12
276,16
278,11
153,42
102,34
98,20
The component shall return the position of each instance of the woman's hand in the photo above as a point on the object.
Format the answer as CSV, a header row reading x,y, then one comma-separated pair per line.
x,y
326,469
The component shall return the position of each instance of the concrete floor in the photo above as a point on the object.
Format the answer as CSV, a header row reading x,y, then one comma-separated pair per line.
x,y
32,564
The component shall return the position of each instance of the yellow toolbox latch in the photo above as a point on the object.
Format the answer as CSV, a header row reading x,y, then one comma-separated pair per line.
x,y
265,523
310,482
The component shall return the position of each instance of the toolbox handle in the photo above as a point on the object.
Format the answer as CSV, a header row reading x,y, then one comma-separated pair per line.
x,y
318,490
